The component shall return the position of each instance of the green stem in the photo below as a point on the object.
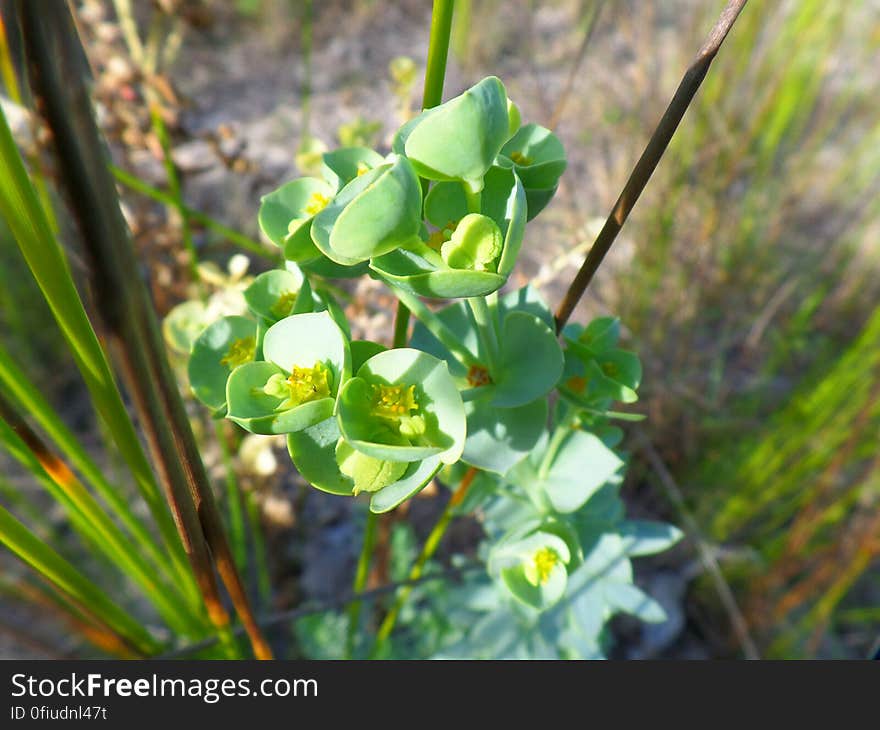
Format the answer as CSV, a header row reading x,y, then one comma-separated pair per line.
x,y
562,430
240,240
438,51
161,132
360,580
474,200
401,325
430,547
434,325
487,333
233,502
435,74
264,583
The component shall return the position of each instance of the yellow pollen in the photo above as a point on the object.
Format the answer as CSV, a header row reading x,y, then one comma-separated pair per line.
x,y
441,236
545,560
308,384
316,203
362,168
520,159
394,401
478,376
240,352
285,303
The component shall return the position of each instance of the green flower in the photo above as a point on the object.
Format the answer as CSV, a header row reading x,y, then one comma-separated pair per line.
x,y
403,406
307,360
533,563
538,158
277,294
286,215
224,346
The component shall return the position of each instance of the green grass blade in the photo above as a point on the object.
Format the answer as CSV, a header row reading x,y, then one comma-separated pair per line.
x,y
45,561
26,219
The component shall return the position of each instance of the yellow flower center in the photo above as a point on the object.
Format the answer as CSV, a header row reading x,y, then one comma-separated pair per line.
x,y
439,237
284,304
240,351
520,159
316,203
544,561
308,384
394,402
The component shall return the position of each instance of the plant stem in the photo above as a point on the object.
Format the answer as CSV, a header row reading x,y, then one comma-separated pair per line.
x,y
430,547
161,132
487,333
647,163
438,51
234,510
474,200
139,186
360,580
432,95
401,325
433,324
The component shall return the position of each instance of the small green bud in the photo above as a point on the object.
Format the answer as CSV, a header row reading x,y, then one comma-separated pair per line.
x,y
368,473
475,244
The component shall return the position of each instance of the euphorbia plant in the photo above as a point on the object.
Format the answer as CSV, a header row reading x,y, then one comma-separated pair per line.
x,y
442,216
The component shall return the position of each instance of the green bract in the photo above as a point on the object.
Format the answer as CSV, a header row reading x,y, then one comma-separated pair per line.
x,y
277,294
403,406
317,451
476,268
345,164
307,360
460,139
539,160
224,346
286,216
183,324
375,213
597,372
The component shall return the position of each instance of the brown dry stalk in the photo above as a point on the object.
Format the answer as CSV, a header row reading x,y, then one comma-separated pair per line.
x,y
57,72
647,163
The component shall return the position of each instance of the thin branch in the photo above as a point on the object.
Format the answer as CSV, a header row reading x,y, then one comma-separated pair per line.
x,y
704,552
647,163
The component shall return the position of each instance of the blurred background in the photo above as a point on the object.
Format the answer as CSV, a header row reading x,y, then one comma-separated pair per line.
x,y
746,277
